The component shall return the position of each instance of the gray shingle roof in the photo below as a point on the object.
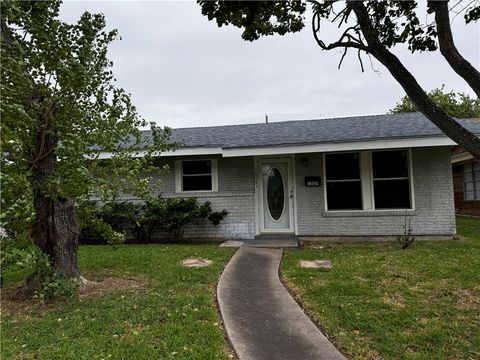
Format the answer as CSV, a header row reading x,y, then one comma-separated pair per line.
x,y
335,130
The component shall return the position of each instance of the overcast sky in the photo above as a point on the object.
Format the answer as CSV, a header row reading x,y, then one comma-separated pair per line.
x,y
182,70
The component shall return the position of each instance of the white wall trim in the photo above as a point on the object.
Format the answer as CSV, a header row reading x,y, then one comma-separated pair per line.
x,y
412,183
294,186
333,147
257,196
366,174
194,151
300,149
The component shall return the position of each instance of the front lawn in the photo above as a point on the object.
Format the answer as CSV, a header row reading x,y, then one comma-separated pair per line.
x,y
379,302
152,308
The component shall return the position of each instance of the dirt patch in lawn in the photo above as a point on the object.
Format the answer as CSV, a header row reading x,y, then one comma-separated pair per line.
x,y
106,285
97,286
468,299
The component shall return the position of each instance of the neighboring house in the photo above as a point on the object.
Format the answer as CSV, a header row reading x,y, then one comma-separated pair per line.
x,y
466,182
318,179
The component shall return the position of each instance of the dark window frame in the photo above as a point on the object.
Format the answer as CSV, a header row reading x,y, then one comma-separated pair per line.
x,y
475,181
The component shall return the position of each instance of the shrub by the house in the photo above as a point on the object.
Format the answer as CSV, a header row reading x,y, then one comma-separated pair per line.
x,y
141,221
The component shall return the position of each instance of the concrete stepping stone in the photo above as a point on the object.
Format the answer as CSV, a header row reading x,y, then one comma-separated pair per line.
x,y
232,244
316,264
196,262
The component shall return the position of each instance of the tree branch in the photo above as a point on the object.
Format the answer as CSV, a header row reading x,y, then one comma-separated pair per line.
x,y
448,49
351,42
442,120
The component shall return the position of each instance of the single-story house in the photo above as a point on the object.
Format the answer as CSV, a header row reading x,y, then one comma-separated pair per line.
x,y
353,177
466,182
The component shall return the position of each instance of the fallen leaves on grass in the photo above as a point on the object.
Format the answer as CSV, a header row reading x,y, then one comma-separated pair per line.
x,y
396,302
92,289
468,298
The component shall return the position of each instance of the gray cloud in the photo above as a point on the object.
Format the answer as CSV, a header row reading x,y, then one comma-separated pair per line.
x,y
182,70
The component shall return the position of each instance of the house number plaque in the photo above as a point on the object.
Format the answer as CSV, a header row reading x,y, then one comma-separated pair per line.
x,y
312,181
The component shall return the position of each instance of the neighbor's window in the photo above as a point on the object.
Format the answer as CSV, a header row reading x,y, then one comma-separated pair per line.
x,y
391,184
344,187
197,175
471,181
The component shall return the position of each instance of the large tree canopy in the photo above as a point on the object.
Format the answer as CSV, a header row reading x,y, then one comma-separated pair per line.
x,y
369,28
59,107
458,105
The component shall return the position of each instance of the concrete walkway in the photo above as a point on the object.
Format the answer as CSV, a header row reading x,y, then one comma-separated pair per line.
x,y
262,320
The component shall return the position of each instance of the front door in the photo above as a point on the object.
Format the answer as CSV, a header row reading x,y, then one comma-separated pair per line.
x,y
276,195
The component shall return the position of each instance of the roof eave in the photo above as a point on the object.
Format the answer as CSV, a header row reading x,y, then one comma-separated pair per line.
x,y
392,143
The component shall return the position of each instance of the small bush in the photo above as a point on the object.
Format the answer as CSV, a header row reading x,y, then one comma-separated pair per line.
x,y
174,213
406,239
142,220
15,252
52,284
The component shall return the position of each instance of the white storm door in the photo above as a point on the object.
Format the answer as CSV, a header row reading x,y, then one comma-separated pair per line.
x,y
276,195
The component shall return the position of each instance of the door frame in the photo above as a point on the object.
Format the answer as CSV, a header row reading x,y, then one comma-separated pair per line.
x,y
259,194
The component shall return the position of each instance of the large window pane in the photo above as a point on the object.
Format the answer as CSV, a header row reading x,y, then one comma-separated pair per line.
x,y
391,185
196,175
197,183
342,166
197,167
469,195
471,178
344,195
390,164
468,175
469,186
392,194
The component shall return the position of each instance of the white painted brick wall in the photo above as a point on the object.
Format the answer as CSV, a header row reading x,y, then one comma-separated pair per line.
x,y
235,194
434,208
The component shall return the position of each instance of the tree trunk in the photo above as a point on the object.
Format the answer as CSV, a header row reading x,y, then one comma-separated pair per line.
x,y
448,49
440,118
56,229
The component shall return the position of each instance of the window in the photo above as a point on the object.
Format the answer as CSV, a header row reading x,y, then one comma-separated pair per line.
x,y
344,186
196,175
471,181
391,184
369,181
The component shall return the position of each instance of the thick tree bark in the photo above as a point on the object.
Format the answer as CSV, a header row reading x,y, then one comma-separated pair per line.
x,y
440,118
56,228
448,49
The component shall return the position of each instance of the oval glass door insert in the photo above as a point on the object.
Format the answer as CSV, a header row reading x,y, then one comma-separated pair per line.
x,y
275,193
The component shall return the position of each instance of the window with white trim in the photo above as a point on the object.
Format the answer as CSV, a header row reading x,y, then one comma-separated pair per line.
x,y
471,181
344,186
391,183
196,175
368,180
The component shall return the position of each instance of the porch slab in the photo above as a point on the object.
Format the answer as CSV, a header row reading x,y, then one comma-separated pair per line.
x,y
272,243
262,243
232,244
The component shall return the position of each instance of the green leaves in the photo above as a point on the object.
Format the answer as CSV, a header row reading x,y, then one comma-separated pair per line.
x,y
167,214
459,105
57,83
257,18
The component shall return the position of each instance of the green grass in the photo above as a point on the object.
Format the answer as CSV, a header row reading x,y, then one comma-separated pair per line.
x,y
172,315
379,302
